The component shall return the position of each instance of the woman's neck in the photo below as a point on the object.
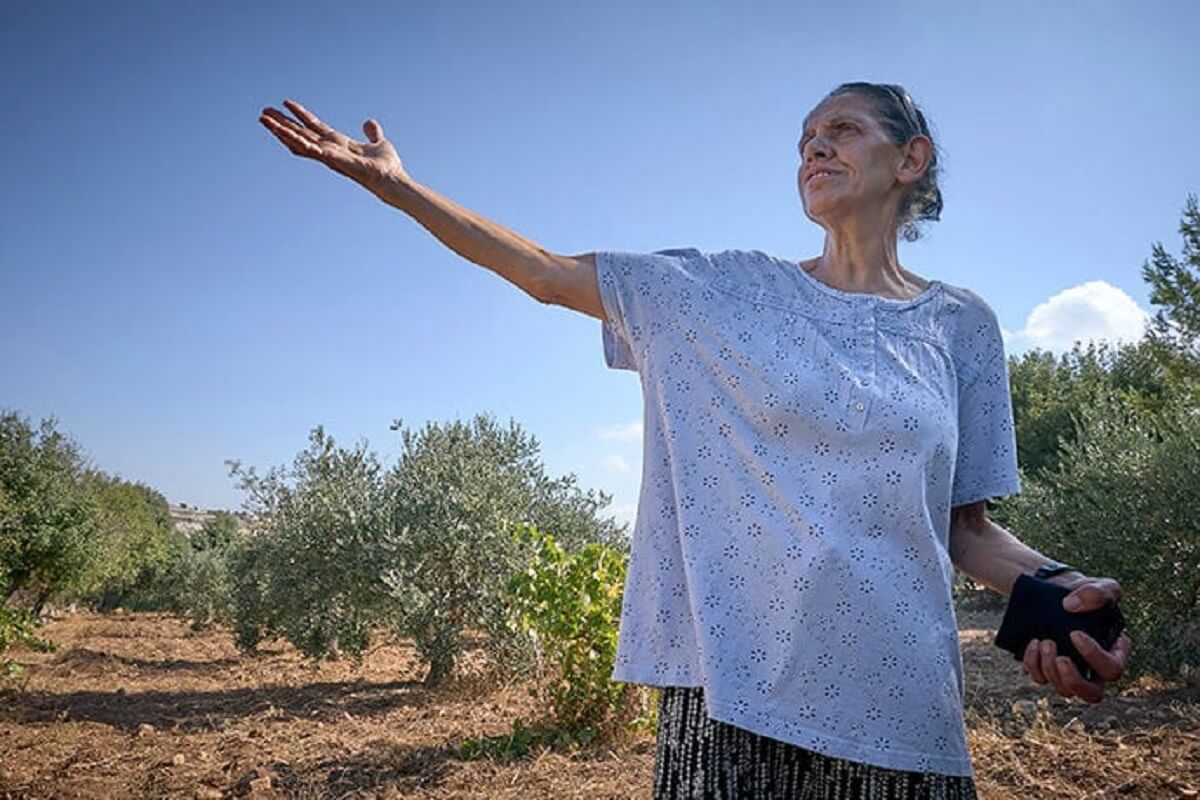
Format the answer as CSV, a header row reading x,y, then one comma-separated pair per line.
x,y
864,260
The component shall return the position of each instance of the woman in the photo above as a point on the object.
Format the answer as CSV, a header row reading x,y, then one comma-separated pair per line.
x,y
821,439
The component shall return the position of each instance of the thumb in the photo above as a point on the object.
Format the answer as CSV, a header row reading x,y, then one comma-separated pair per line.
x,y
373,130
1086,597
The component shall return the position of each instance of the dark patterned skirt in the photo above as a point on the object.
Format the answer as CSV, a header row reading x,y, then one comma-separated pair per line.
x,y
698,757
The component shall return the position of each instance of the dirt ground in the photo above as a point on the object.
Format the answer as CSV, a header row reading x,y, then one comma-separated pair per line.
x,y
140,706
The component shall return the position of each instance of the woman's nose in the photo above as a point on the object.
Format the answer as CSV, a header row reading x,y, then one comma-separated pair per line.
x,y
814,147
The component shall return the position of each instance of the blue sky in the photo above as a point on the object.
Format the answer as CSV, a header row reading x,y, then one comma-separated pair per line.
x,y
177,289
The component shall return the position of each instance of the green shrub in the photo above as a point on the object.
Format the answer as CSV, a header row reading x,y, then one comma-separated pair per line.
x,y
202,587
198,581
18,626
524,739
136,536
570,605
341,546
250,578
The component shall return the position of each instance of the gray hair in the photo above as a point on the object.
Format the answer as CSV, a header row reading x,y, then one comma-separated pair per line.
x,y
902,120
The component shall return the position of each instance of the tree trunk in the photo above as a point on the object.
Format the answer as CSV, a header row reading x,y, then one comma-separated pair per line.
x,y
439,670
40,602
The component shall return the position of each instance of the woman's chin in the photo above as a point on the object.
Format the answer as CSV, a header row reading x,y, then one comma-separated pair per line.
x,y
820,209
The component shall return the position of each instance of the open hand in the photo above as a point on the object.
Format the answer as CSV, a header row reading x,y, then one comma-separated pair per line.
x,y
369,163
1044,665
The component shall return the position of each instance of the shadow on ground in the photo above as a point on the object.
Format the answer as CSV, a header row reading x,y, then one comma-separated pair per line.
x,y
198,711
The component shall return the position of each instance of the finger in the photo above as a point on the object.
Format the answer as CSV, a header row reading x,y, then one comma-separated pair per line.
x,y
293,141
373,130
1122,647
1049,669
1033,662
307,117
312,136
1090,691
1108,664
289,123
1096,593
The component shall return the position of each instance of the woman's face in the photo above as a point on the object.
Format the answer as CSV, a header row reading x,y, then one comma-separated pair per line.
x,y
848,165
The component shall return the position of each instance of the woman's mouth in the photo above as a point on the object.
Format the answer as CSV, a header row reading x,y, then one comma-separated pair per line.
x,y
819,175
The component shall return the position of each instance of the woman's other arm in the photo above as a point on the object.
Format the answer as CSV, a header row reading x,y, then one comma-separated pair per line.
x,y
991,555
994,557
548,277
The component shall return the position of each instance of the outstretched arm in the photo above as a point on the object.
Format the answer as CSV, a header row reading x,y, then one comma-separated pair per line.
x,y
374,164
568,281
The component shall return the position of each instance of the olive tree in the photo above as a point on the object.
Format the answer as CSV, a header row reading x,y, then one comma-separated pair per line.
x,y
311,570
1175,290
460,490
49,524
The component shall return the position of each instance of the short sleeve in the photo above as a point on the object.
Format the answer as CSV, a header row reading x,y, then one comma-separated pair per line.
x,y
986,465
645,295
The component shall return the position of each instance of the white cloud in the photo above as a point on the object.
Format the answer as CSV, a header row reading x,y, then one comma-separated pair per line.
x,y
629,432
616,463
1095,310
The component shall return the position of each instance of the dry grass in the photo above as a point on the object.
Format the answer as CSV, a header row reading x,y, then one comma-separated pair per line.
x,y
140,706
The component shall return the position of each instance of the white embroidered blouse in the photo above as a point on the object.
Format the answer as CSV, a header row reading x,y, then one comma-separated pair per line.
x,y
803,447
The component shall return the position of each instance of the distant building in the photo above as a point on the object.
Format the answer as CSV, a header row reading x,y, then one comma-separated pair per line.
x,y
189,520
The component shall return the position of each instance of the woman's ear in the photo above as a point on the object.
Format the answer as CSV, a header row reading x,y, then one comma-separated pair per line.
x,y
917,155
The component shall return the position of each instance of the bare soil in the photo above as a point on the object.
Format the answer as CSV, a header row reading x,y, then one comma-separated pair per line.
x,y
141,706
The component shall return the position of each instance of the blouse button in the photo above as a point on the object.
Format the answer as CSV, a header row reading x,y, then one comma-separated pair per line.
x,y
858,406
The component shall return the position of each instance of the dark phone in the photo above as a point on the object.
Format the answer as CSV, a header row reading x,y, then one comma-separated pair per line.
x,y
1035,612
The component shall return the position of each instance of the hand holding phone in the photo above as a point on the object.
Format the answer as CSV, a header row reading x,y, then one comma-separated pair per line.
x,y
1035,611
